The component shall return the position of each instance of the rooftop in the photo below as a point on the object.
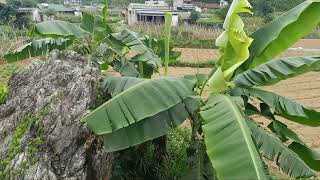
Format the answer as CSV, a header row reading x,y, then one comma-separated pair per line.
x,y
148,12
54,7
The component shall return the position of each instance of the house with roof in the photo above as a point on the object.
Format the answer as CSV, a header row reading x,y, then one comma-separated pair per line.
x,y
152,11
45,12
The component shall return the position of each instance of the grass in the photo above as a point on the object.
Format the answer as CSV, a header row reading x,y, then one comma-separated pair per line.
x,y
190,36
200,64
6,70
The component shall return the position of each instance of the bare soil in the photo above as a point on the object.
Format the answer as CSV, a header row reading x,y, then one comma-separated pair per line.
x,y
202,55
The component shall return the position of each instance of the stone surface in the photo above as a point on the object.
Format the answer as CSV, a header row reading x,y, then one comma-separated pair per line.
x,y
59,91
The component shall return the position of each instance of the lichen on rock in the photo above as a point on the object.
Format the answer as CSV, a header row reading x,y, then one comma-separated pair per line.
x,y
51,145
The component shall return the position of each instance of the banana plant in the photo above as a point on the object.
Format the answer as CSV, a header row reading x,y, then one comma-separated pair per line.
x,y
227,142
96,40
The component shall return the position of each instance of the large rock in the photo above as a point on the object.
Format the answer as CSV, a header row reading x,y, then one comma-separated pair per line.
x,y
41,136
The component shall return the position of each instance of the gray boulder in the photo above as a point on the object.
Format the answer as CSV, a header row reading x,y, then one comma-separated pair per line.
x,y
41,136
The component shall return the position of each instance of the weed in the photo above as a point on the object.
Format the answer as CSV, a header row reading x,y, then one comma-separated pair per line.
x,y
16,145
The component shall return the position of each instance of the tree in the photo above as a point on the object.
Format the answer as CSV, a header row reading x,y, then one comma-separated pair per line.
x,y
225,139
194,16
7,13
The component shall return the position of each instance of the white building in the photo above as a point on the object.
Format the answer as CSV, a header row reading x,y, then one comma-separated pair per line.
x,y
150,12
223,3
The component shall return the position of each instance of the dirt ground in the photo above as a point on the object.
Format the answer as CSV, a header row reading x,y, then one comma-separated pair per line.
x,y
202,55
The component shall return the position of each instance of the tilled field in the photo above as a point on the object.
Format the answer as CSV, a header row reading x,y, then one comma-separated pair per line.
x,y
202,55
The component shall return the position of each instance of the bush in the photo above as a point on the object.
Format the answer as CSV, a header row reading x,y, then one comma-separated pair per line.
x,y
140,162
178,141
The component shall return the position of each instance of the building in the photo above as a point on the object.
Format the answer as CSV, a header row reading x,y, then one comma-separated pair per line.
x,y
73,2
223,3
150,12
45,12
211,6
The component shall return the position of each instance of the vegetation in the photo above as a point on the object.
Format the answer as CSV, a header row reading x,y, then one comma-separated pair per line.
x,y
200,64
191,36
17,144
6,71
3,93
225,141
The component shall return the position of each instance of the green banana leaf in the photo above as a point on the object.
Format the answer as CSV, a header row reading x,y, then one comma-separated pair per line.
x,y
58,29
151,127
283,107
144,111
311,157
228,140
278,35
126,69
274,150
95,24
37,48
233,42
198,79
275,71
135,41
115,85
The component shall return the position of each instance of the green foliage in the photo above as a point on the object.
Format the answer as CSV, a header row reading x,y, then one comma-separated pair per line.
x,y
223,123
193,36
3,93
178,141
7,13
282,106
201,64
16,145
94,39
273,149
38,48
167,29
224,126
194,16
126,129
68,18
234,41
6,71
57,29
280,34
274,71
141,161
223,139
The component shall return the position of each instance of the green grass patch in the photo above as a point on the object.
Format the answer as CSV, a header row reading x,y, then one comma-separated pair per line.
x,y
201,64
3,93
6,70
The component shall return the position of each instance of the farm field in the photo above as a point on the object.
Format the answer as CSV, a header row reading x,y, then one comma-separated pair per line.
x,y
311,47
